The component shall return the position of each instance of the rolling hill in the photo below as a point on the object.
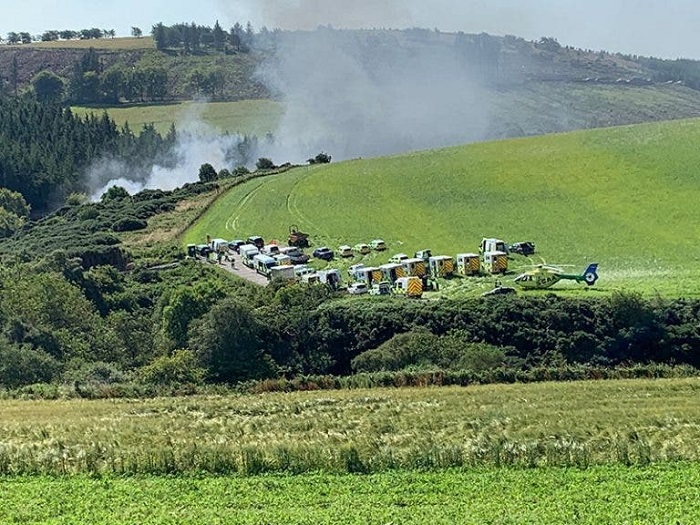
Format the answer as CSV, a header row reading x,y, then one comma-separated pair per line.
x,y
624,197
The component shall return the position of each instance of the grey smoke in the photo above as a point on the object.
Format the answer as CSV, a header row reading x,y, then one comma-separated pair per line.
x,y
358,93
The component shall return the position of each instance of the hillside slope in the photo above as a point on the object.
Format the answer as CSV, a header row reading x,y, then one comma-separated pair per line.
x,y
624,197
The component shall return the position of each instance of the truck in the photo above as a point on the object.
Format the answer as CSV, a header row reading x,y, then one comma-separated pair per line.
x,y
297,238
392,271
441,266
409,286
330,278
467,264
495,262
263,263
493,245
248,251
282,273
415,266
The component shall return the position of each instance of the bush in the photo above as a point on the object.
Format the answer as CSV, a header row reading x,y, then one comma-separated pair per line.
x,y
321,158
178,369
129,224
22,365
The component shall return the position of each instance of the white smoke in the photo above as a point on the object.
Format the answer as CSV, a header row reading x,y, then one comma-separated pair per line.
x,y
197,144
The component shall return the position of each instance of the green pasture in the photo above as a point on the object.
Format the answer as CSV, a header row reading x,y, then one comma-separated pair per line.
x,y
624,197
606,494
247,117
576,424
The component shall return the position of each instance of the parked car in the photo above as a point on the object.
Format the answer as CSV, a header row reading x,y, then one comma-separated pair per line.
x,y
362,248
295,254
357,288
378,244
324,252
398,258
380,288
500,290
236,244
256,241
345,251
270,249
523,248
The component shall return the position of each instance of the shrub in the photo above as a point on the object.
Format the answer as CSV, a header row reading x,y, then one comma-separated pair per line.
x,y
129,224
177,369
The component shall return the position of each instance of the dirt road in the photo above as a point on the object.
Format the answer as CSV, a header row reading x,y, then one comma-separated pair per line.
x,y
236,267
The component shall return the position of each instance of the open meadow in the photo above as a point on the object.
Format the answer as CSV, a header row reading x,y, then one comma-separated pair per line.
x,y
245,117
622,197
585,452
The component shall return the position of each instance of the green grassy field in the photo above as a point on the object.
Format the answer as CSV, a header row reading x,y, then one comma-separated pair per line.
x,y
607,494
248,117
108,44
623,197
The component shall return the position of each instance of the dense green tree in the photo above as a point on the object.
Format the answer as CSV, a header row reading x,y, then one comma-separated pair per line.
x,y
228,343
48,87
207,173
136,32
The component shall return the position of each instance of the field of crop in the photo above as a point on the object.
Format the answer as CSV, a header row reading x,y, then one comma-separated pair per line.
x,y
608,494
603,452
246,117
107,44
579,424
623,197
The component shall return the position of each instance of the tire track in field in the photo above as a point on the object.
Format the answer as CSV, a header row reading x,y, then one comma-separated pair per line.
x,y
232,222
293,207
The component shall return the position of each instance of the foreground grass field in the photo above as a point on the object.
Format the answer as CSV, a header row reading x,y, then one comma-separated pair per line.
x,y
580,424
607,494
246,117
623,197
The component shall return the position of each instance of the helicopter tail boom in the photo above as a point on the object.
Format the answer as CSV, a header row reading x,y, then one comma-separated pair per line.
x,y
590,275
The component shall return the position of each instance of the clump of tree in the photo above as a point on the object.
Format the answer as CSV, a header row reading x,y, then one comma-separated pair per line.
x,y
91,83
321,158
14,211
193,38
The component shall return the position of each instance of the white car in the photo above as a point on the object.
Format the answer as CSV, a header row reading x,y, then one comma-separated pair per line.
x,y
378,244
357,288
345,251
398,258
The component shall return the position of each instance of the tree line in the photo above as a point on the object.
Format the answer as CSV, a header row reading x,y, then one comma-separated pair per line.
x,y
193,38
53,35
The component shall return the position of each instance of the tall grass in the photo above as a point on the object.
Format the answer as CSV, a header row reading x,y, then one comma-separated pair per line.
x,y
627,422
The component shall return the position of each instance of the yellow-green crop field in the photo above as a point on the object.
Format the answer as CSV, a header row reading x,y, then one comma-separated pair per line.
x,y
535,425
245,117
624,197
108,44
583,452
